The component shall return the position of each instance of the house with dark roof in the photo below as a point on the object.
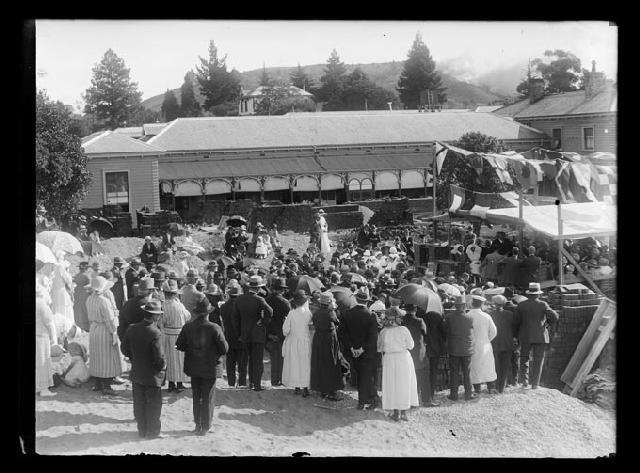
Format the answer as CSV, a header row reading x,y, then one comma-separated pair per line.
x,y
582,121
289,158
249,100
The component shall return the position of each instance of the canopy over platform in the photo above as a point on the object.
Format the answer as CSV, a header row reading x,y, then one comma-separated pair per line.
x,y
579,220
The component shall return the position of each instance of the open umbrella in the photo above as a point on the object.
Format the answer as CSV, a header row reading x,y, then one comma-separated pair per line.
x,y
449,290
236,221
424,281
309,284
345,299
226,261
420,296
357,278
44,254
57,240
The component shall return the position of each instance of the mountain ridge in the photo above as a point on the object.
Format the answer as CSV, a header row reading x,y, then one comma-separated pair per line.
x,y
460,94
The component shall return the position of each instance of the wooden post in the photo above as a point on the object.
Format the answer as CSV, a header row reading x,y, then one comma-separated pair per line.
x,y
400,183
560,244
432,249
320,189
520,216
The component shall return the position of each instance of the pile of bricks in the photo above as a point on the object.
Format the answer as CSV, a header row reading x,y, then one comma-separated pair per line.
x,y
576,311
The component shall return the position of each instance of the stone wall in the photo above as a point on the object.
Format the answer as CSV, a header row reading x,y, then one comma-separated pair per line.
x,y
295,217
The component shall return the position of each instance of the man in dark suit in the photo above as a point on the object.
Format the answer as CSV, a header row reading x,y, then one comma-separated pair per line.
x,y
529,268
237,356
131,276
142,345
203,343
501,243
361,339
119,288
149,253
418,330
533,316
436,346
275,337
252,315
132,312
459,326
502,344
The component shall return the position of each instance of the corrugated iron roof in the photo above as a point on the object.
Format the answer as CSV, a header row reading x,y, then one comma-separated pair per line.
x,y
487,108
360,163
132,131
296,130
568,103
291,90
109,142
153,128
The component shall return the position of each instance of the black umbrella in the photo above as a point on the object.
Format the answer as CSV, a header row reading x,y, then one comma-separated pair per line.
x,y
309,284
236,221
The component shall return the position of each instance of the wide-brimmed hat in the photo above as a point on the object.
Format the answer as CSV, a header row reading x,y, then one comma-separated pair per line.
x,y
153,307
192,274
171,286
213,290
477,297
202,306
326,298
234,291
300,297
118,260
99,284
256,281
146,284
362,294
534,288
499,299
135,261
459,300
377,306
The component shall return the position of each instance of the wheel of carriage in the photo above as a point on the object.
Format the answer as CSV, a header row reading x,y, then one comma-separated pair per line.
x,y
104,227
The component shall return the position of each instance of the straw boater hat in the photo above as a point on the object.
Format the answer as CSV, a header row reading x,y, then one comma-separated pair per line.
x,y
146,284
326,298
477,297
170,286
300,297
534,288
191,274
152,307
459,301
255,282
99,284
234,291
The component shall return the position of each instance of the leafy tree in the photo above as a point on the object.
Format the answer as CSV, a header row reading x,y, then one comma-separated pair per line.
x,y
359,89
189,106
265,79
62,178
219,86
143,115
170,109
272,102
562,71
300,79
419,73
112,97
332,83
479,143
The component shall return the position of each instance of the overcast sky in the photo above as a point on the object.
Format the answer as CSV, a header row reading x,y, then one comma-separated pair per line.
x,y
160,52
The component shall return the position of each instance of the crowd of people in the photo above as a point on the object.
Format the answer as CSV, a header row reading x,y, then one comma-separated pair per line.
x,y
327,319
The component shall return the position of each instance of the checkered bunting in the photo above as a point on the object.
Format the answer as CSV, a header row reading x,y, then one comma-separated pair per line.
x,y
604,183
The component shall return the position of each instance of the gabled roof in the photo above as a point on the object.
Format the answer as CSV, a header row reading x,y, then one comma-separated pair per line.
x,y
152,129
317,129
291,90
568,103
109,142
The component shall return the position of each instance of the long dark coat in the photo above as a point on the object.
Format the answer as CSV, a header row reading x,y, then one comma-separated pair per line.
x,y
142,345
326,359
203,344
418,330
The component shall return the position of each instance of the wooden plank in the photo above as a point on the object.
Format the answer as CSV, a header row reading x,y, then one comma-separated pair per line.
x,y
585,369
607,306
582,272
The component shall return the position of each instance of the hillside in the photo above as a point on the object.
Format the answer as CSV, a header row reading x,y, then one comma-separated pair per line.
x,y
460,94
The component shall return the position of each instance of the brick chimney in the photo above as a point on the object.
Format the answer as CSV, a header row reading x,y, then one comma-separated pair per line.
x,y
594,82
536,89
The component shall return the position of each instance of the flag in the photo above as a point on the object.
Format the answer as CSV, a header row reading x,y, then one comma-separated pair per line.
x,y
457,197
440,155
604,183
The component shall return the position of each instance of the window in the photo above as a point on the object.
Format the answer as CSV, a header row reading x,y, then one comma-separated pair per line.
x,y
556,133
116,186
587,138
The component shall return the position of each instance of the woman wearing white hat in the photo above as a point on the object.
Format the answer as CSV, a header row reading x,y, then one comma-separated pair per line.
x,y
105,363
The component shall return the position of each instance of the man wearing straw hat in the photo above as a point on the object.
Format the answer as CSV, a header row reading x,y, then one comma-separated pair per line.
x,y
203,343
142,344
533,316
252,315
361,339
459,326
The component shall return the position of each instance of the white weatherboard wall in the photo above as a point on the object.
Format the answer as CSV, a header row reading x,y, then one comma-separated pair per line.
x,y
144,188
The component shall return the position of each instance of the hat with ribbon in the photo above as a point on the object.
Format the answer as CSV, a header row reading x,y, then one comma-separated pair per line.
x,y
170,286
234,291
300,297
99,284
146,284
477,297
119,260
377,306
255,282
459,300
153,307
279,284
534,288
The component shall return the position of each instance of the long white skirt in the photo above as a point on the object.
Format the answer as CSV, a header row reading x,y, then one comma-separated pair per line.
x,y
175,360
44,378
399,383
296,366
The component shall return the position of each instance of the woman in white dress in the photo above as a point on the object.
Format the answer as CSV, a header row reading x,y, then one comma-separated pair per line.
x,y
172,320
399,383
45,337
61,289
482,367
296,349
474,252
325,243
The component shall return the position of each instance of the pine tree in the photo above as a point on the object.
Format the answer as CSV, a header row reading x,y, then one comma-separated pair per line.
x,y
300,79
189,106
265,79
62,178
419,74
170,109
360,93
219,86
112,97
332,83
